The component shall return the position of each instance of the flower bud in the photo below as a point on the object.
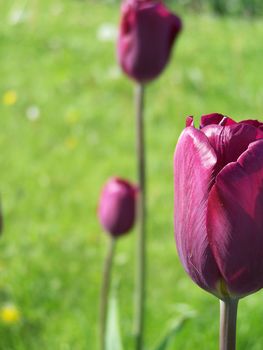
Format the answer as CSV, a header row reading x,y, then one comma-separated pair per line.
x,y
117,206
147,33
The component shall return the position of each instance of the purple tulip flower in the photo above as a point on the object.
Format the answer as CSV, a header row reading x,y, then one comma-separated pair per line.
x,y
147,33
218,181
117,206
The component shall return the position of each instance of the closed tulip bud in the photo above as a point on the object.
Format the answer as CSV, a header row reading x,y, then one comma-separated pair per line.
x,y
147,33
117,206
218,204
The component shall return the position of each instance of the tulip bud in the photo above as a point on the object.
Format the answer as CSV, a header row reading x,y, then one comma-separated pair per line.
x,y
117,206
147,33
218,204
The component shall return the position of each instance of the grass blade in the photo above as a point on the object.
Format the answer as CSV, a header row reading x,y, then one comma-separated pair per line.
x,y
177,326
113,334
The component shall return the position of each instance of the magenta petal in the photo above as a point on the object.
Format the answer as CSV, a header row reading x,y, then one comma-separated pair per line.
x,y
229,142
255,123
215,118
235,221
189,121
194,162
259,133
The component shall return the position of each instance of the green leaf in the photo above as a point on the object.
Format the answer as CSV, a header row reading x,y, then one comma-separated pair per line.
x,y
113,335
176,327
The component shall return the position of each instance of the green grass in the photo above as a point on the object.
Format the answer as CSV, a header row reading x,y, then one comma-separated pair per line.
x,y
52,170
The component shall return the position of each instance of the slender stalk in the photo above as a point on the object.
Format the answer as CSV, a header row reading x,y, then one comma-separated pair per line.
x,y
104,298
141,218
228,318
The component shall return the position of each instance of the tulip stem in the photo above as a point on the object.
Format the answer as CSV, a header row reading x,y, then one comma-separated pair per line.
x,y
104,297
141,219
228,318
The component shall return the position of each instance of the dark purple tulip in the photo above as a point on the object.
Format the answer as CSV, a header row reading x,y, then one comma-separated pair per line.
x,y
117,206
147,33
218,179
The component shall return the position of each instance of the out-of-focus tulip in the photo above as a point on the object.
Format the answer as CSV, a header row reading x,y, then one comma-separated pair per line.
x,y
218,179
117,206
147,33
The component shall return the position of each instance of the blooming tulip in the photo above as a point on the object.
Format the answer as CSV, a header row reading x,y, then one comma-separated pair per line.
x,y
147,33
218,179
117,206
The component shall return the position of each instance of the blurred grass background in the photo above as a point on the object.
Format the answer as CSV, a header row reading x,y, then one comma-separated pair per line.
x,y
247,8
67,124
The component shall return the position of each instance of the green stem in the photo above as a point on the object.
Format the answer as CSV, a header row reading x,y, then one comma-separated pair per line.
x,y
228,318
141,218
104,298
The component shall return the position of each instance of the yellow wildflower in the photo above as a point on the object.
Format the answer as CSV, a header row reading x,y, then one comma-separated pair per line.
x,y
9,314
9,98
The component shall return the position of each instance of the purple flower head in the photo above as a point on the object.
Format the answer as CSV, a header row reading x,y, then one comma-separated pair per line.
x,y
147,33
218,204
117,206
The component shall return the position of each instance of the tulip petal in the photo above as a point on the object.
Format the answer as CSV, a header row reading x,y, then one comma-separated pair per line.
x,y
194,163
229,142
257,125
253,122
235,221
215,118
189,121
